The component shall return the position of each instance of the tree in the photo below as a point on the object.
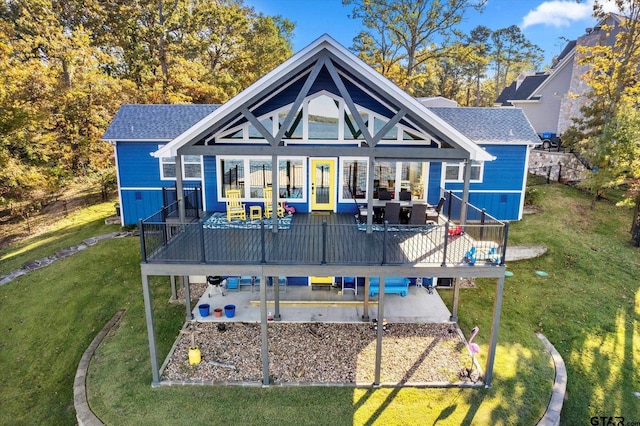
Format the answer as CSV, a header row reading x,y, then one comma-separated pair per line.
x,y
479,38
401,36
512,53
608,133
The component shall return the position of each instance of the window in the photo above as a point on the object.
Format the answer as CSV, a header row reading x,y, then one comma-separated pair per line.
x,y
252,175
412,177
291,178
323,119
191,167
354,178
260,176
454,172
232,175
384,177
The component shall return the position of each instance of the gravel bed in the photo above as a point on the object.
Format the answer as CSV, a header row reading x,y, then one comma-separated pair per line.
x,y
321,353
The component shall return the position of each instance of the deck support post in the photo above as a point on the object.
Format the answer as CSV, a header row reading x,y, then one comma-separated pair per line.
x,y
380,324
179,189
148,310
187,296
497,307
465,192
275,192
264,331
174,291
372,164
456,298
276,299
365,306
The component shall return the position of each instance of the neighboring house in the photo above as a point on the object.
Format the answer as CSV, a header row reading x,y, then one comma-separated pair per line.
x,y
551,99
327,134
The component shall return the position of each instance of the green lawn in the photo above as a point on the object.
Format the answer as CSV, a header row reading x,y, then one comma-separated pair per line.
x,y
588,307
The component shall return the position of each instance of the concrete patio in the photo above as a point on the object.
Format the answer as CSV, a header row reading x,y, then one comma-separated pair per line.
x,y
304,304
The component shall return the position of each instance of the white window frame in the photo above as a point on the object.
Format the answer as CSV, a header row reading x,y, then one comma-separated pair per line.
x,y
341,198
460,177
245,196
172,160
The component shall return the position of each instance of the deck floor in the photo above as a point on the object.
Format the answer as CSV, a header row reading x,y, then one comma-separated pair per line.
x,y
303,244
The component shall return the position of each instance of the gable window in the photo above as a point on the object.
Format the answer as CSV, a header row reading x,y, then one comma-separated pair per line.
x,y
191,167
454,172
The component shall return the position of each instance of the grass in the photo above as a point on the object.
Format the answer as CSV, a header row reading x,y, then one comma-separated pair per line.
x,y
588,307
79,225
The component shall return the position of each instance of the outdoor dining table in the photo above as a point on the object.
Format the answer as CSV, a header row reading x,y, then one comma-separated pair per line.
x,y
379,205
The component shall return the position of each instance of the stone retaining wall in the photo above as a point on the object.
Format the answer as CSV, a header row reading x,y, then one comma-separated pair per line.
x,y
557,166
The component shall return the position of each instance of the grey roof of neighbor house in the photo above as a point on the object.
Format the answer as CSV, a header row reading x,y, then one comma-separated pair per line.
x,y
522,92
154,121
490,125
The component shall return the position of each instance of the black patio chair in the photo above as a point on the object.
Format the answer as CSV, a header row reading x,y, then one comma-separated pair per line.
x,y
405,196
434,214
385,195
418,215
392,213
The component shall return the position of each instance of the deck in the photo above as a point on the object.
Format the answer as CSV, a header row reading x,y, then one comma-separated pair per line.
x,y
323,239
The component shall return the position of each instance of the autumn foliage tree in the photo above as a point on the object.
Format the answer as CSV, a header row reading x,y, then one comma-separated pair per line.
x,y
66,66
608,133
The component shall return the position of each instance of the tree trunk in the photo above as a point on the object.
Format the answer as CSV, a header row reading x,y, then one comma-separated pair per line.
x,y
635,227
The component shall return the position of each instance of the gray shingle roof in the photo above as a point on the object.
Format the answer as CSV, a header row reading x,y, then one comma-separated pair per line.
x,y
490,125
522,92
155,122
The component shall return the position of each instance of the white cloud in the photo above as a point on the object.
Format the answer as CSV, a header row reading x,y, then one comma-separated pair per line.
x,y
558,13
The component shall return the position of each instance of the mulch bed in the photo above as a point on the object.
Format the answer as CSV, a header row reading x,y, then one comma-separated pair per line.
x,y
322,353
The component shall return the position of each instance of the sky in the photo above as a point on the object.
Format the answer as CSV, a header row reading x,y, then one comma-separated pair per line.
x,y
549,24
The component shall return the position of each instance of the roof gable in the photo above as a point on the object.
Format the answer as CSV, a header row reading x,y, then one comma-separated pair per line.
x,y
154,122
323,65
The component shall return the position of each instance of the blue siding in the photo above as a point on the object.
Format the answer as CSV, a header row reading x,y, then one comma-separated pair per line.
x,y
433,190
139,204
502,206
137,167
211,203
505,173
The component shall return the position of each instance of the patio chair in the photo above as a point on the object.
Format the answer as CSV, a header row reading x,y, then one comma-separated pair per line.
x,y
434,214
282,283
350,284
418,215
236,209
268,203
385,195
405,211
392,213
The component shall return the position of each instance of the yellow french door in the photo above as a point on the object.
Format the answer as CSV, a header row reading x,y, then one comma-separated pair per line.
x,y
323,184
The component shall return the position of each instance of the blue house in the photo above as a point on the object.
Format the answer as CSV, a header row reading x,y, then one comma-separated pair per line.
x,y
332,138
147,137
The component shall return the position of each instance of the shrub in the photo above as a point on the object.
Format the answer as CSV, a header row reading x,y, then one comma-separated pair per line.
x,y
532,196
